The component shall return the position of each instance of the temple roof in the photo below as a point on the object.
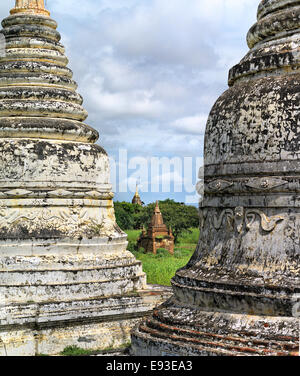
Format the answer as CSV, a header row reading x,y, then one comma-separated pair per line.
x,y
157,218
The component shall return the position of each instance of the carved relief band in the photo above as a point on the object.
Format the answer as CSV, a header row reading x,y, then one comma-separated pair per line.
x,y
241,218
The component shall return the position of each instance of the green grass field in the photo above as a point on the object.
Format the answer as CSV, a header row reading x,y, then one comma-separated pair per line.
x,y
162,267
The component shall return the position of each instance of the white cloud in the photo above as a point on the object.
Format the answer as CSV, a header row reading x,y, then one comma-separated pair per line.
x,y
87,10
191,124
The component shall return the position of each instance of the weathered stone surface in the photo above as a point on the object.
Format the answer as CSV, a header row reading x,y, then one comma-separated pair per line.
x,y
65,274
237,294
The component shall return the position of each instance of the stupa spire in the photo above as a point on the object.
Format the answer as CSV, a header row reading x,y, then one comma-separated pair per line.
x,y
157,219
30,7
157,207
136,198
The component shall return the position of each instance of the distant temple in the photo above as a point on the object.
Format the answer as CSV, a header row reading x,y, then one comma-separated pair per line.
x,y
157,236
136,198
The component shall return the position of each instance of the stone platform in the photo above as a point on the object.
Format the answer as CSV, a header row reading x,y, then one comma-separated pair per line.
x,y
95,323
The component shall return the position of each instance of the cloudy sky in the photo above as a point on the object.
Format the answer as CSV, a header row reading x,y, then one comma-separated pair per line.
x,y
149,72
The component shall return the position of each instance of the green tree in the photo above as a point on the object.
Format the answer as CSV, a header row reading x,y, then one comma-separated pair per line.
x,y
129,216
124,217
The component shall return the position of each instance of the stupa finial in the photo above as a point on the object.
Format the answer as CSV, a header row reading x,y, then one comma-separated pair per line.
x,y
136,198
30,7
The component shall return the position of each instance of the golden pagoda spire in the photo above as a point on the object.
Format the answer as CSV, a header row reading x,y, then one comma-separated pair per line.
x,y
136,198
30,7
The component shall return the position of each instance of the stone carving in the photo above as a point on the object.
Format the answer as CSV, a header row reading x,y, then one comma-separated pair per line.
x,y
59,193
265,183
240,217
18,193
9,217
75,220
203,216
256,184
219,185
267,224
228,213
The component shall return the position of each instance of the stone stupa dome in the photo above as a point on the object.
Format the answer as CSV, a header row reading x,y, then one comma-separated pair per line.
x,y
238,294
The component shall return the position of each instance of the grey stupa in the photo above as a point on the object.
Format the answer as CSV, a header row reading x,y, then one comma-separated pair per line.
x,y
66,277
238,294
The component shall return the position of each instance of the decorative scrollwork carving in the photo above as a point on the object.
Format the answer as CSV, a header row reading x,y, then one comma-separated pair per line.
x,y
58,193
239,218
202,217
218,221
74,221
8,217
268,224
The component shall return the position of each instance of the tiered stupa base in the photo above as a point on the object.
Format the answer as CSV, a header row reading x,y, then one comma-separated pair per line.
x,y
179,330
102,296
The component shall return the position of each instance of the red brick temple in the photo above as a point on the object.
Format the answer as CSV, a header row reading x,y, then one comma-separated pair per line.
x,y
157,236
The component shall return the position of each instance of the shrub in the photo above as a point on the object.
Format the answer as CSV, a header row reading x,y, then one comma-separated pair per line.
x,y
75,351
132,246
